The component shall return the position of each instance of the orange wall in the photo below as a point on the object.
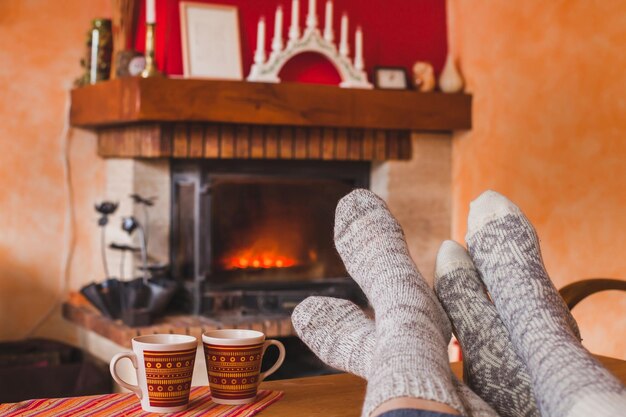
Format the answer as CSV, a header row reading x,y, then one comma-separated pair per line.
x,y
549,124
41,43
550,133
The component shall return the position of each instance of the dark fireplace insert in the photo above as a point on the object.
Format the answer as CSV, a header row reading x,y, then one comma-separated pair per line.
x,y
256,237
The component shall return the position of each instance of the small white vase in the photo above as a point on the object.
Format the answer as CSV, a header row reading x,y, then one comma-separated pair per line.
x,y
450,80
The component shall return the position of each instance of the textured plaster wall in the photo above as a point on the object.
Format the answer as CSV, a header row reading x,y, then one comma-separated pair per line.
x,y
549,132
41,43
549,125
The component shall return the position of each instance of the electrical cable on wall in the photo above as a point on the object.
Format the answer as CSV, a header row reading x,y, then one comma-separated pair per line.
x,y
69,237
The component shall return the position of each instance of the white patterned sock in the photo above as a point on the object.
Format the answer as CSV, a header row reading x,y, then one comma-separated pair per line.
x,y
567,380
412,331
343,337
491,367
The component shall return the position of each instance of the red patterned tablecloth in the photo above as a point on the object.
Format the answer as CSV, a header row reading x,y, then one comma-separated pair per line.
x,y
200,404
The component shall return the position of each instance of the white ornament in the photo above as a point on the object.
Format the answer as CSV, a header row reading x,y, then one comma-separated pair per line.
x,y
352,74
450,80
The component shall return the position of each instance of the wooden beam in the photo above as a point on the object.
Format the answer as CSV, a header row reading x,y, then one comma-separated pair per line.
x,y
136,100
227,141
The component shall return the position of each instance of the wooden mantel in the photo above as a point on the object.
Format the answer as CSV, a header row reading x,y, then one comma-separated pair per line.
x,y
132,100
182,118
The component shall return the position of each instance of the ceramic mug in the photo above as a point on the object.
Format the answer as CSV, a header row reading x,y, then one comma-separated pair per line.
x,y
233,360
164,367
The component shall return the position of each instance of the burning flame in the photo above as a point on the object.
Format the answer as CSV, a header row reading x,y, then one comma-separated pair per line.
x,y
258,261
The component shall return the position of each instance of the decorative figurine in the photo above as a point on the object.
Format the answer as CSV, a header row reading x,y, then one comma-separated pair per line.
x,y
122,248
129,225
145,203
423,76
138,300
105,208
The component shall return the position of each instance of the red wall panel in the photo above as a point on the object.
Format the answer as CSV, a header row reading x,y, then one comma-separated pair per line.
x,y
396,33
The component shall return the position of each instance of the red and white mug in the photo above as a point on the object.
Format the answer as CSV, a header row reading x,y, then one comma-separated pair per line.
x,y
233,360
164,367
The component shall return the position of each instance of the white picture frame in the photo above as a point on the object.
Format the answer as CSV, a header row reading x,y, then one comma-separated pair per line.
x,y
391,78
211,41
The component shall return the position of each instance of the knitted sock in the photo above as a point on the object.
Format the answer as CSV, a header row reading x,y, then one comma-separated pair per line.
x,y
491,367
412,331
567,380
343,337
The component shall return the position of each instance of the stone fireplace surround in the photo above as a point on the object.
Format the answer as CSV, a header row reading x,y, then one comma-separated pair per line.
x,y
417,191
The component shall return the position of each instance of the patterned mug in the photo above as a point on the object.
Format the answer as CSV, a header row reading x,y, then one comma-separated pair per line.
x,y
164,367
233,360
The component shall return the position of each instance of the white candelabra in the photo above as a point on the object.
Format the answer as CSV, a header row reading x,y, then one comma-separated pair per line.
x,y
311,40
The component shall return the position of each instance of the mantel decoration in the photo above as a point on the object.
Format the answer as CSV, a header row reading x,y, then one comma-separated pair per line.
x,y
311,40
423,76
151,67
97,61
211,42
138,300
124,26
450,80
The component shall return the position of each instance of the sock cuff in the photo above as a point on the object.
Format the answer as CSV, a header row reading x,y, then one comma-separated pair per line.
x,y
389,384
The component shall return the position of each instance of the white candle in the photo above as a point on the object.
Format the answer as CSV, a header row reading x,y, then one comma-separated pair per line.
x,y
311,19
259,55
344,49
358,49
93,68
294,30
277,43
328,22
150,11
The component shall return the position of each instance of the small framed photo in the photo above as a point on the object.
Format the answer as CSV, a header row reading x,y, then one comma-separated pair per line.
x,y
211,41
391,78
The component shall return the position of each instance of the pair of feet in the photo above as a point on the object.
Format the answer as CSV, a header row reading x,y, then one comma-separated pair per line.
x,y
522,352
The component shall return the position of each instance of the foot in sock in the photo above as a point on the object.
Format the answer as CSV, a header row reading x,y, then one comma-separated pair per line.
x,y
567,380
412,331
343,337
492,369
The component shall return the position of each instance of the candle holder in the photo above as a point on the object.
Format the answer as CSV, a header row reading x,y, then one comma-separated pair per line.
x,y
151,69
351,71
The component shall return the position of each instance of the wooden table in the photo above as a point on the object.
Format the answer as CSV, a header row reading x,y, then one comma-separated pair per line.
x,y
338,395
342,395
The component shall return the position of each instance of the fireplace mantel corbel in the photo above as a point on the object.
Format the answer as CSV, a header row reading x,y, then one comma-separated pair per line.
x,y
165,118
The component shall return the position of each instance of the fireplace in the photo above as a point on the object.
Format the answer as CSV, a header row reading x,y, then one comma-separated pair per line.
x,y
256,237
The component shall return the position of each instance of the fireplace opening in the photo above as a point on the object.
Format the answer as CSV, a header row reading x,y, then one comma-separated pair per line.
x,y
256,237
274,229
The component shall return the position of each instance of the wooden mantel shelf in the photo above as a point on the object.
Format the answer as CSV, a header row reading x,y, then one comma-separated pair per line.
x,y
137,100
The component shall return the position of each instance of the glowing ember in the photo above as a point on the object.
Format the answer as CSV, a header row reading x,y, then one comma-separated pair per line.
x,y
264,261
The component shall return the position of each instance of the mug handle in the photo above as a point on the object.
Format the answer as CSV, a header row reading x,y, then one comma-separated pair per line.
x,y
133,359
281,358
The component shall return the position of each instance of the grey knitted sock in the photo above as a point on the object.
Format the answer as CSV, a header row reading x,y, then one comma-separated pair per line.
x,y
410,357
342,336
567,380
491,367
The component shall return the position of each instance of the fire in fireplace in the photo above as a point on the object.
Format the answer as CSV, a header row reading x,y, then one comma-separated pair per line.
x,y
273,229
256,237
